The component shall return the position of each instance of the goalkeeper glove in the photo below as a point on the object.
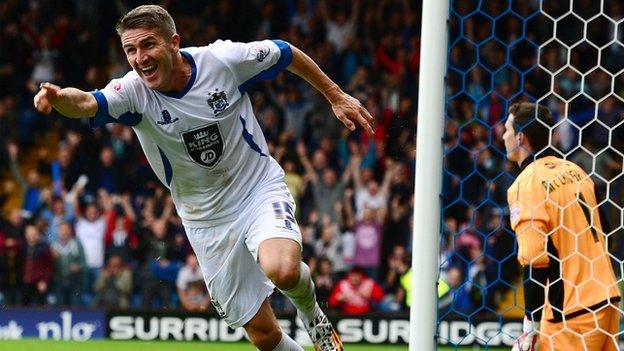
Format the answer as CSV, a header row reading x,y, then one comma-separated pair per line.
x,y
527,341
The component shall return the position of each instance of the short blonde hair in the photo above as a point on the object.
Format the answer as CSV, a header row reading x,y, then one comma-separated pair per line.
x,y
149,17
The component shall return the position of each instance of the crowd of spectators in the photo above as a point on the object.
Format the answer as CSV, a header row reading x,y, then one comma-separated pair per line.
x,y
96,228
104,231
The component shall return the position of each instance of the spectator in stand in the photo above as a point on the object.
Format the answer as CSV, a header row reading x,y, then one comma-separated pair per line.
x,y
367,233
398,265
119,236
356,294
328,245
57,210
90,232
457,294
328,188
340,25
296,109
368,194
190,286
38,266
500,265
158,272
64,172
180,247
11,258
31,185
323,280
293,180
121,143
397,226
70,267
108,176
113,287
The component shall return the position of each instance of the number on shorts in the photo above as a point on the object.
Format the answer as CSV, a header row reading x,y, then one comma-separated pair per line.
x,y
284,211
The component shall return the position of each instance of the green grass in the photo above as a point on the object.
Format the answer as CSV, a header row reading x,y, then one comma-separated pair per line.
x,y
108,345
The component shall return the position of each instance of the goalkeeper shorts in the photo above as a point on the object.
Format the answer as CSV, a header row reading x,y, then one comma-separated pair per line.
x,y
228,253
592,331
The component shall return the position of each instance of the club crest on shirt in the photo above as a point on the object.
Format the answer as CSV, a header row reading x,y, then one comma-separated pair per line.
x,y
204,145
166,118
217,100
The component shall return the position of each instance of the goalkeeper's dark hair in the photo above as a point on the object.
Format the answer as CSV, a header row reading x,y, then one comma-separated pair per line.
x,y
148,17
534,121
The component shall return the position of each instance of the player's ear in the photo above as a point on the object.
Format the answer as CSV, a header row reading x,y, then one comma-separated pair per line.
x,y
175,41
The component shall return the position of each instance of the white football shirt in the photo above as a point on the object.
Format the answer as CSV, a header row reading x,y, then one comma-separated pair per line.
x,y
204,142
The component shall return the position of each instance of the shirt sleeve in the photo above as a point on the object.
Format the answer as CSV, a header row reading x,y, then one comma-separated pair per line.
x,y
529,220
115,103
254,61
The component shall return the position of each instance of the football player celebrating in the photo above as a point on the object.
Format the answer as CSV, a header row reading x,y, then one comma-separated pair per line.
x,y
193,117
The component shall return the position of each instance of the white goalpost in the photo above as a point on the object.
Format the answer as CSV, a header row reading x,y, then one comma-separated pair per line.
x,y
426,229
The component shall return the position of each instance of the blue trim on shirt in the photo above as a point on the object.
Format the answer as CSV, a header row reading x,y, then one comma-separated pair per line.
x,y
130,119
271,72
180,94
166,165
102,116
249,139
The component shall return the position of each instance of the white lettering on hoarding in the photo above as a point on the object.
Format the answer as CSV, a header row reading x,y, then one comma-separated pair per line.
x,y
66,330
11,331
352,330
484,333
195,327
398,329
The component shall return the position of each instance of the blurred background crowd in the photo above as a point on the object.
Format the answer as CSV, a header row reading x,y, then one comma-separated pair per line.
x,y
92,226
86,223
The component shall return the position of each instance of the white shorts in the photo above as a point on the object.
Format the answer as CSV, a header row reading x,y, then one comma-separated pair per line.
x,y
228,253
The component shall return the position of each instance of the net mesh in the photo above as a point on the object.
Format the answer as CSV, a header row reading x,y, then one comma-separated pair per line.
x,y
569,56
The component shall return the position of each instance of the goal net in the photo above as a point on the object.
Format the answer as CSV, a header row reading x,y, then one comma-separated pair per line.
x,y
569,56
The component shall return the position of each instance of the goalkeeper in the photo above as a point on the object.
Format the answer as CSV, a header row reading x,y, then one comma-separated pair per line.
x,y
570,290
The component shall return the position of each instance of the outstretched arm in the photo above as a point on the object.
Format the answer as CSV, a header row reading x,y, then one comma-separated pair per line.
x,y
346,108
70,102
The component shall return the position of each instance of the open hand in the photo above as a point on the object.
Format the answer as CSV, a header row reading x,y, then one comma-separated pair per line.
x,y
349,109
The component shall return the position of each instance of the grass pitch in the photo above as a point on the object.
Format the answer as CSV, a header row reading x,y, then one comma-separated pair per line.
x,y
109,345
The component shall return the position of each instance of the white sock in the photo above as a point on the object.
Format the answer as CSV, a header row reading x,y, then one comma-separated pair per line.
x,y
302,295
287,344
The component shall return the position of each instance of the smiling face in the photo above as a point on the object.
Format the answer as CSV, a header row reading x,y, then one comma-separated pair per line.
x,y
152,56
